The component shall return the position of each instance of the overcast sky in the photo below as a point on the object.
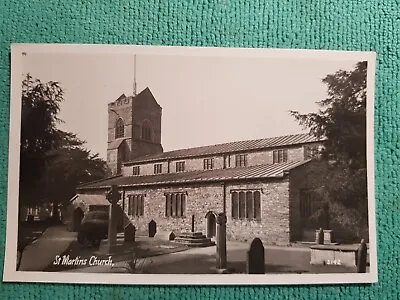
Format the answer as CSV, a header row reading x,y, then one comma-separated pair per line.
x,y
205,100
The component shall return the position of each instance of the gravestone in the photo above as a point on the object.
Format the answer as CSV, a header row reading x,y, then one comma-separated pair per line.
x,y
221,242
129,233
319,238
256,258
152,228
362,257
165,235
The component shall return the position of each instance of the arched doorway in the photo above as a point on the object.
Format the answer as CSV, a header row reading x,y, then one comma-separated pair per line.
x,y
78,216
211,226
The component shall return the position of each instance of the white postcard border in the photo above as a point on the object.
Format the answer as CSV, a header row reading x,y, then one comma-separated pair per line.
x,y
11,275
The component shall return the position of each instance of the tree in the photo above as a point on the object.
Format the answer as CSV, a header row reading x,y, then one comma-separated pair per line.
x,y
342,117
52,162
70,165
39,134
341,120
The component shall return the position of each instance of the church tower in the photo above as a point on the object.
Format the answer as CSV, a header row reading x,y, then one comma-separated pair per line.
x,y
134,129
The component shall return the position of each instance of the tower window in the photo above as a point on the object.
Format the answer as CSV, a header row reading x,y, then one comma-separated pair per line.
x,y
119,129
146,131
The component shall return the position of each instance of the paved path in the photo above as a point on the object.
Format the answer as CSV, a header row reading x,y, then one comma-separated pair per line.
x,y
42,252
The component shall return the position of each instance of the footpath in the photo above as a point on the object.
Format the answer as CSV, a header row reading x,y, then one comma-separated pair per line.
x,y
42,252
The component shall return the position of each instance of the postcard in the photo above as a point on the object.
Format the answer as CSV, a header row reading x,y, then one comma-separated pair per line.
x,y
190,165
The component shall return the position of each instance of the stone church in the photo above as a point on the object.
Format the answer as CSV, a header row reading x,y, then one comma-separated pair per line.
x,y
263,186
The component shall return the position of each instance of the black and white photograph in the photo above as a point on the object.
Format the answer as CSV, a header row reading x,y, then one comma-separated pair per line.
x,y
190,165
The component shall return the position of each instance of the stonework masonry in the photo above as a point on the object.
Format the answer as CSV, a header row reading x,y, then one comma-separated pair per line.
x,y
197,164
272,229
199,200
274,225
306,177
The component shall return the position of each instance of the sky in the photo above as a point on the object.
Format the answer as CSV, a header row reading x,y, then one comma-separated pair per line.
x,y
205,100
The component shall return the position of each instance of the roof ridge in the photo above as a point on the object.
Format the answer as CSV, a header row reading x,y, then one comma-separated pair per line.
x,y
99,180
171,152
240,141
277,170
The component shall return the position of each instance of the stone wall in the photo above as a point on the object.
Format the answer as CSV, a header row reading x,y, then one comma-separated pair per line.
x,y
274,225
309,176
197,164
146,169
199,200
295,153
120,109
273,228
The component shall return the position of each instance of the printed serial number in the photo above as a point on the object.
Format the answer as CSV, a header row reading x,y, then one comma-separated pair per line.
x,y
335,262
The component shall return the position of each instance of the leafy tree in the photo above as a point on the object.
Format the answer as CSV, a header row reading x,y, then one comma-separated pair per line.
x,y
52,162
342,117
341,120
39,134
70,165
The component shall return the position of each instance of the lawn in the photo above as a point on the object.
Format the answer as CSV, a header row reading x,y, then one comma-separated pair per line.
x,y
277,261
142,248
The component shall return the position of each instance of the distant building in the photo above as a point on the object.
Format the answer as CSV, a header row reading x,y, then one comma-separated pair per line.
x,y
262,185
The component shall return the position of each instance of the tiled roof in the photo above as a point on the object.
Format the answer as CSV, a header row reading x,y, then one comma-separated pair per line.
x,y
115,144
248,145
253,172
91,199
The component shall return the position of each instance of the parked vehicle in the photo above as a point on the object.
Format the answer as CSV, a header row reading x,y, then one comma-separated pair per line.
x,y
94,228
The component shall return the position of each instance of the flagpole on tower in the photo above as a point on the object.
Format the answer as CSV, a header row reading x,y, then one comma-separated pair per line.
x,y
134,77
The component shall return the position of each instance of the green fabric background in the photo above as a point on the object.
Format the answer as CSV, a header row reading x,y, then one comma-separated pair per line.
x,y
320,24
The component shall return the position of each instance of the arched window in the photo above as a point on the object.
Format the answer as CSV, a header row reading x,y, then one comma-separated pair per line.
x,y
146,131
119,129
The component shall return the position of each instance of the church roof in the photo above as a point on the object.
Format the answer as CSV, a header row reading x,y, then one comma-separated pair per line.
x,y
115,144
90,200
239,146
216,175
145,95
